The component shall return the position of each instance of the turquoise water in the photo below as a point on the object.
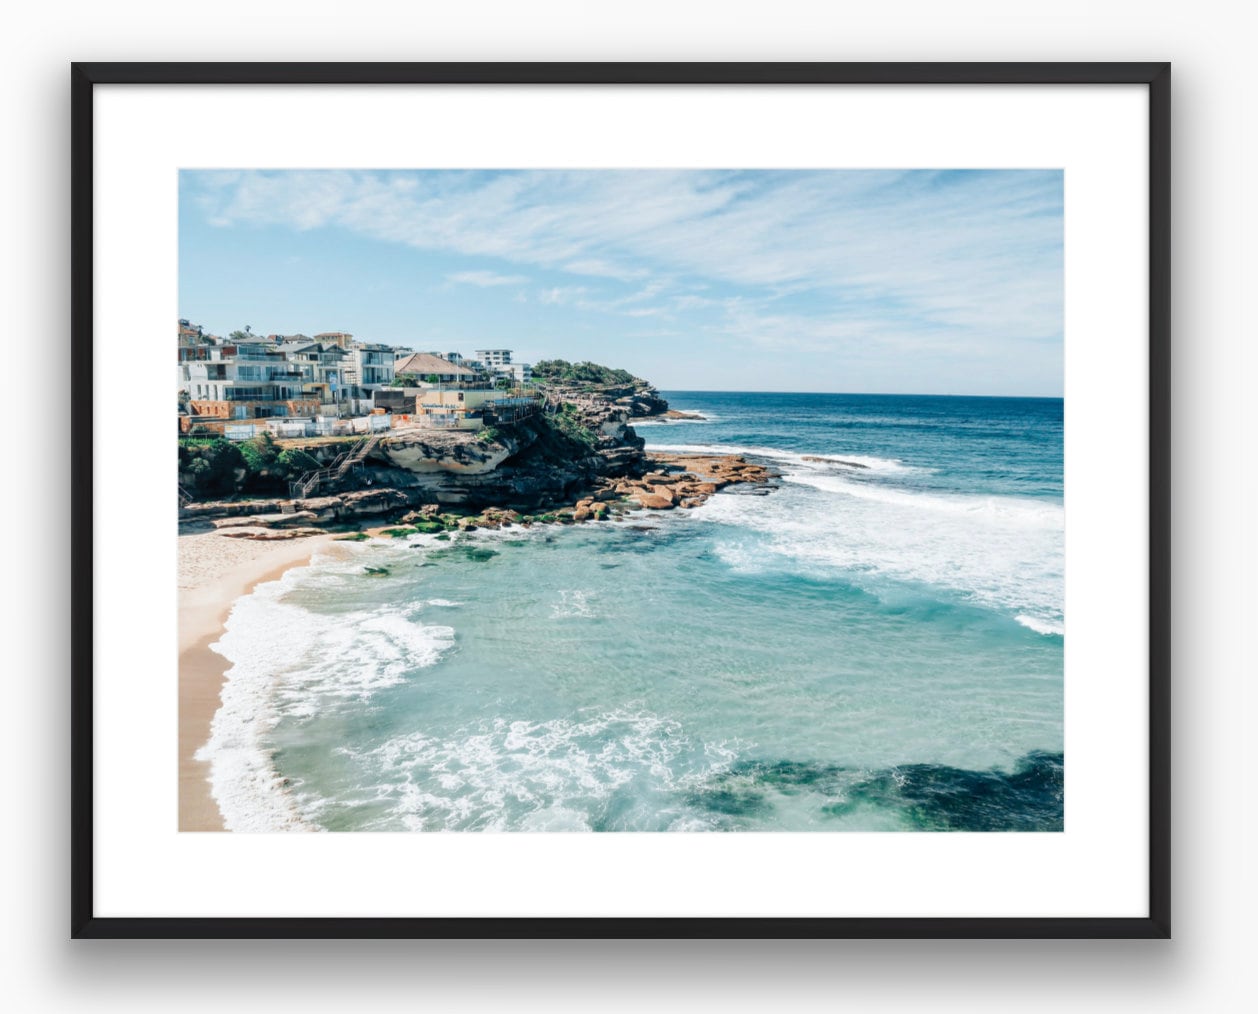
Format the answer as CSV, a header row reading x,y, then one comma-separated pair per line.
x,y
877,645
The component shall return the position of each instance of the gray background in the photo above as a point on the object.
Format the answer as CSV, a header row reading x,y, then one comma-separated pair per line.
x,y
1205,967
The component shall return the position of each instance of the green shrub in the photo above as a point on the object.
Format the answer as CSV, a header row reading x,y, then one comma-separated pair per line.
x,y
567,423
294,462
560,371
260,453
212,463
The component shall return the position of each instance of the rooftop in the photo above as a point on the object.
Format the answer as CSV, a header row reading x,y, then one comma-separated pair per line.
x,y
423,363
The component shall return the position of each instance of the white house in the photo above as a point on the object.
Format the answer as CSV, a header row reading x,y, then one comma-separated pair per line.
x,y
493,358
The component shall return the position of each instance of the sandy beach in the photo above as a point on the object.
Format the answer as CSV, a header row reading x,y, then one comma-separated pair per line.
x,y
214,571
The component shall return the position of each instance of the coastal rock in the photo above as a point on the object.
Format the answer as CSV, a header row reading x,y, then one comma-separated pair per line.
x,y
431,450
281,520
371,501
269,534
640,402
578,459
241,522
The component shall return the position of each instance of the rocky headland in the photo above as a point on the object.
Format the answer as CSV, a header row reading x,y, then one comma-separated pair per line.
x,y
578,461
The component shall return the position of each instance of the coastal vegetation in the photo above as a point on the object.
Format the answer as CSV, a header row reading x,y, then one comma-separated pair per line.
x,y
562,372
568,422
217,466
578,461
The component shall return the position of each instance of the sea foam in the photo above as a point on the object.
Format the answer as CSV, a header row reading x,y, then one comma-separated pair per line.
x,y
288,662
504,774
1002,552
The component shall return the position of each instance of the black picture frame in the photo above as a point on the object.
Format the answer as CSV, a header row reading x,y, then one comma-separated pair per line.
x,y
1156,76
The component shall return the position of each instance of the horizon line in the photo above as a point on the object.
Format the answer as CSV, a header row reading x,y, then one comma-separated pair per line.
x,y
859,394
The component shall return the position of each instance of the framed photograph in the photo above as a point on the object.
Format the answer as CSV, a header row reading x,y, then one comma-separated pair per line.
x,y
724,500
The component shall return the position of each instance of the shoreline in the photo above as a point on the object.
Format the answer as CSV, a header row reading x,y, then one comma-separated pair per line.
x,y
215,571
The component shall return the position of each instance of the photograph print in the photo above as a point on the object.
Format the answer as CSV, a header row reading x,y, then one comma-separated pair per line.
x,y
644,500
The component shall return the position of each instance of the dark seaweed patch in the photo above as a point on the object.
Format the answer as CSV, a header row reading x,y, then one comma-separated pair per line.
x,y
941,798
732,800
934,797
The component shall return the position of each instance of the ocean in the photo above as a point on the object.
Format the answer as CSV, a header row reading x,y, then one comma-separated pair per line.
x,y
877,645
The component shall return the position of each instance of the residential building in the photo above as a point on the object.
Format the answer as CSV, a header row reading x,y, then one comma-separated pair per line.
x,y
191,334
325,366
341,339
246,380
422,365
520,373
498,363
493,358
370,365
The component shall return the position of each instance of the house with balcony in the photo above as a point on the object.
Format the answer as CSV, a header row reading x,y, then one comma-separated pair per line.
x,y
519,373
247,380
493,358
498,363
371,366
324,365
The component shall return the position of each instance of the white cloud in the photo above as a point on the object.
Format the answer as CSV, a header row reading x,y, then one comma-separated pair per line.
x,y
605,269
560,294
899,233
860,261
485,279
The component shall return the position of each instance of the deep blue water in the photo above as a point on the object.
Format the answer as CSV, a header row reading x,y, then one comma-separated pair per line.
x,y
1005,446
877,645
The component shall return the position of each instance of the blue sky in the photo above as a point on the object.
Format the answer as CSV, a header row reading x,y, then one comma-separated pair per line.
x,y
928,282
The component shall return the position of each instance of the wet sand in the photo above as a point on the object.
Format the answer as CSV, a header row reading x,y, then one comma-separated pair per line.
x,y
214,571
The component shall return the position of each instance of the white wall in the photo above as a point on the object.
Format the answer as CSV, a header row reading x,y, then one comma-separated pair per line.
x,y
1214,509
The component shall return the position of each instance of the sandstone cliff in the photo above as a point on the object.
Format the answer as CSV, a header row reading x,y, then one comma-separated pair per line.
x,y
536,463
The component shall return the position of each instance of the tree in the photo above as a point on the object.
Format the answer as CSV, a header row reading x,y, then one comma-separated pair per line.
x,y
432,378
212,464
242,336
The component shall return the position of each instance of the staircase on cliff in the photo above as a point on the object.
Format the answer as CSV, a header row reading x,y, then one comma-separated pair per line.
x,y
341,464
